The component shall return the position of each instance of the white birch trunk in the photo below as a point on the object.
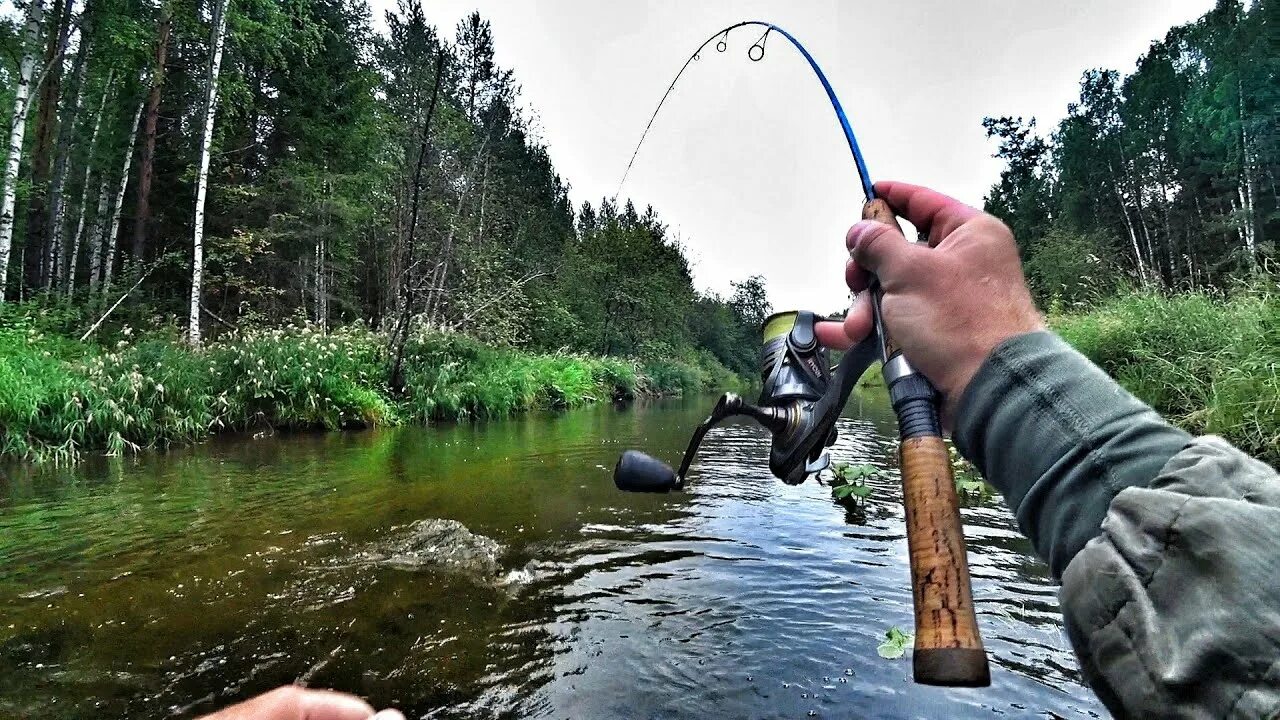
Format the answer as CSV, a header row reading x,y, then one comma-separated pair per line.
x,y
58,201
1246,227
74,259
21,104
202,178
1133,235
96,233
1247,185
114,228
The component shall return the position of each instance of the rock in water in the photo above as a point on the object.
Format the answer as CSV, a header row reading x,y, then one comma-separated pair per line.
x,y
444,544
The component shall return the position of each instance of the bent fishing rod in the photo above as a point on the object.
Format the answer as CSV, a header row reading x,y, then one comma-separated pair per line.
x,y
802,395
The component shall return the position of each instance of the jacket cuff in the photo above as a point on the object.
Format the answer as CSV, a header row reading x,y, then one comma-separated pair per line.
x,y
1059,439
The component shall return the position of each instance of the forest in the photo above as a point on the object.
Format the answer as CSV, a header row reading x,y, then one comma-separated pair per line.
x,y
1147,221
191,175
192,183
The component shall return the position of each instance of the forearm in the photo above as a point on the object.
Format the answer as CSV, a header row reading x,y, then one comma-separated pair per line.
x,y
1167,548
1059,439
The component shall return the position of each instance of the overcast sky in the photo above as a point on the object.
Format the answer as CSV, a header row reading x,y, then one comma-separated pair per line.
x,y
746,163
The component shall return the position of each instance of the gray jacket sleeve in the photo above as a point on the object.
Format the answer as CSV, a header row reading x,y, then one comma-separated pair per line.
x,y
1168,549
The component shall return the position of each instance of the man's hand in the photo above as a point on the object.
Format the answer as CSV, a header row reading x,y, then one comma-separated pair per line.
x,y
947,306
295,703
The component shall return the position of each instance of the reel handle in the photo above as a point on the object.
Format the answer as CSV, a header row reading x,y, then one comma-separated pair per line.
x,y
948,645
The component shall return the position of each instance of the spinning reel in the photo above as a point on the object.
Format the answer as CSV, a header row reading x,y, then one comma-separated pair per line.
x,y
800,399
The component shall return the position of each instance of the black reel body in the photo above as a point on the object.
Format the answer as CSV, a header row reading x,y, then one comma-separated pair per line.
x,y
800,399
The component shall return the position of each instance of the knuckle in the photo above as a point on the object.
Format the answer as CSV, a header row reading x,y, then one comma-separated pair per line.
x,y
871,241
995,228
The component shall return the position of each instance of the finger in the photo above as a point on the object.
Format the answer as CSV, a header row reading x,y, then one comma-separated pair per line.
x,y
329,705
388,715
292,702
831,335
860,321
855,277
881,249
930,211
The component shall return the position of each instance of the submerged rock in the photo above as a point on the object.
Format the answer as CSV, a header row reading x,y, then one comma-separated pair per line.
x,y
439,543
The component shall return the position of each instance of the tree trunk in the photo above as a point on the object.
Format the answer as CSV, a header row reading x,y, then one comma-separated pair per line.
x,y
202,178
400,333
31,39
440,275
1128,225
57,193
1249,183
96,238
115,215
146,164
37,237
69,270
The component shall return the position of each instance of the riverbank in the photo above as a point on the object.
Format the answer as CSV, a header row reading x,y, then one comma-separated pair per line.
x,y
1210,363
60,398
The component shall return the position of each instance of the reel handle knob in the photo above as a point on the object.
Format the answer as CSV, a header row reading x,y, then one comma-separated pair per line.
x,y
638,472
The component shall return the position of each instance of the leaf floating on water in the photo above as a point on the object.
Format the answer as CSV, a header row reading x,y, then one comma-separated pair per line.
x,y
895,644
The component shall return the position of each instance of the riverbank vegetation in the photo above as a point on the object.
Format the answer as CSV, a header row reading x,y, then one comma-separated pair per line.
x,y
60,398
1209,362
1147,221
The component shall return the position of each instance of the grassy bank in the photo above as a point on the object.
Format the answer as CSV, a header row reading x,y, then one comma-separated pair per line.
x,y
60,398
1209,363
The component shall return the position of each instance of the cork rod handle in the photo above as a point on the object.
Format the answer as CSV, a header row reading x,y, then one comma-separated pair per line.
x,y
948,646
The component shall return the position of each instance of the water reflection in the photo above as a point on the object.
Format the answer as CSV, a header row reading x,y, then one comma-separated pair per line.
x,y
174,584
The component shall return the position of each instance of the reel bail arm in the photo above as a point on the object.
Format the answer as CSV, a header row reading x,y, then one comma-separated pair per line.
x,y
639,472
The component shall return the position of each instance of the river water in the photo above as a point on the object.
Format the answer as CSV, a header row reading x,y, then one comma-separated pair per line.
x,y
174,584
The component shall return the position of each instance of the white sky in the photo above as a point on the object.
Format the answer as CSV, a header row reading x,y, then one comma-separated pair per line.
x,y
746,163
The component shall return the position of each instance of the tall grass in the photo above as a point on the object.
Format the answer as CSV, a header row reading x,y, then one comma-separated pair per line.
x,y
453,377
59,398
1210,363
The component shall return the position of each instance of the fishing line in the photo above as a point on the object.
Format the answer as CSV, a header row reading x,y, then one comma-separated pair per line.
x,y
755,53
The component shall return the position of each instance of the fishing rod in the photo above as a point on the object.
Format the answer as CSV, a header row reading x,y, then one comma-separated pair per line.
x,y
801,397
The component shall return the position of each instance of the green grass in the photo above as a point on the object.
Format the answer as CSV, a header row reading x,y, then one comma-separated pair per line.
x,y
60,398
1209,363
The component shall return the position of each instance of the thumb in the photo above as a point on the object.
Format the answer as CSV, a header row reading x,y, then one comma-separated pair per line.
x,y
881,249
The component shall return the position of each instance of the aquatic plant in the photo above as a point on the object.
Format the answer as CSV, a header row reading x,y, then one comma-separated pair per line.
x,y
895,643
850,481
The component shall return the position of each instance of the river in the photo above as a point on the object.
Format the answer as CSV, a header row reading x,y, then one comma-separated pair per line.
x,y
175,583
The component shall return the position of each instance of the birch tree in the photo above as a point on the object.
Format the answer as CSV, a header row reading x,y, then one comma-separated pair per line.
x,y
21,96
217,41
57,195
73,258
114,227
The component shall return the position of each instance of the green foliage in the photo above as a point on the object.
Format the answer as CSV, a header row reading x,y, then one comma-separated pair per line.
x,y
452,377
1071,269
969,483
1161,175
895,644
1207,361
850,481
